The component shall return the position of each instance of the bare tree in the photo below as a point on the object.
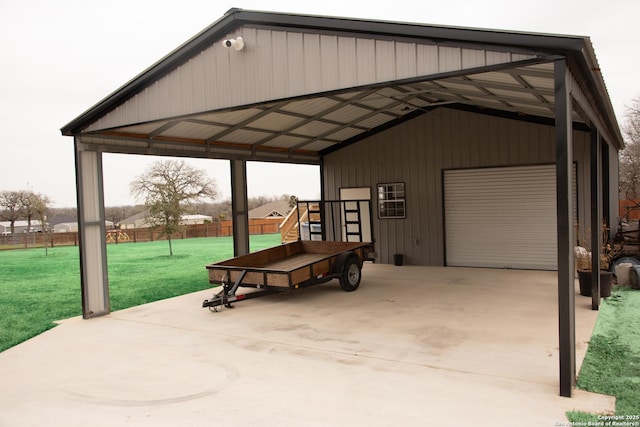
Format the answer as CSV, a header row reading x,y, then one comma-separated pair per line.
x,y
254,202
168,188
10,205
41,206
115,214
630,156
28,203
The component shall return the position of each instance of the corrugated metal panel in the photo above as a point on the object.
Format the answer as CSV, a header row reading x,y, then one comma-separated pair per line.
x,y
510,94
366,59
461,86
406,60
246,136
312,77
142,129
295,46
427,59
275,122
231,118
347,62
377,101
314,128
449,59
319,145
374,121
330,76
278,64
497,57
496,77
473,58
281,73
347,113
385,60
192,130
417,152
284,141
311,107
344,134
501,217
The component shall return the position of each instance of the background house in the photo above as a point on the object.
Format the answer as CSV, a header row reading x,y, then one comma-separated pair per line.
x,y
65,227
5,228
139,220
72,227
275,209
195,219
21,226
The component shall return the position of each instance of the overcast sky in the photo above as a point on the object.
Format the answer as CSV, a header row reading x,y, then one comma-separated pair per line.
x,y
59,58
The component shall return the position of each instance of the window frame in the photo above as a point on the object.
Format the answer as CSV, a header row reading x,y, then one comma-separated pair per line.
x,y
394,204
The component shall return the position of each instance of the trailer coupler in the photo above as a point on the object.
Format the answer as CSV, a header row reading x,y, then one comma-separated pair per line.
x,y
227,295
226,300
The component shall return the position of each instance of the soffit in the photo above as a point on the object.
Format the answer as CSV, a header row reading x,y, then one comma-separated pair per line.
x,y
310,125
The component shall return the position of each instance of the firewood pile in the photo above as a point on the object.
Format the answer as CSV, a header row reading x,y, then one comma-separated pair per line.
x,y
629,237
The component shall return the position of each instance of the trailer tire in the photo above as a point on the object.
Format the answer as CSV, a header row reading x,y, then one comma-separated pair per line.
x,y
351,274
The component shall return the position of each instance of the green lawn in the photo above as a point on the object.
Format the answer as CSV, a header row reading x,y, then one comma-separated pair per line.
x,y
612,363
36,290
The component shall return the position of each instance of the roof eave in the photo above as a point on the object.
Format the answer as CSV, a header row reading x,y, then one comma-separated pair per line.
x,y
544,41
592,69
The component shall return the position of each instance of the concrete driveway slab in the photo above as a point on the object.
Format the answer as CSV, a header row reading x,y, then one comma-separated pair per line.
x,y
412,346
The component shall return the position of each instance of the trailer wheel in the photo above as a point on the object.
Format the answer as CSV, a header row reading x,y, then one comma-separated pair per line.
x,y
351,274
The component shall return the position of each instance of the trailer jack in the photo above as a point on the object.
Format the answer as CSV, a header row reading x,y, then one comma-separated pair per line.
x,y
227,295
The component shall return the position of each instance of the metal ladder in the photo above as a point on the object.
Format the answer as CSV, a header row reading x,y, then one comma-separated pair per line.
x,y
348,224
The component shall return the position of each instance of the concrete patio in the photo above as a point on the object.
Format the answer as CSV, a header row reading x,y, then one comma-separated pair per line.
x,y
412,346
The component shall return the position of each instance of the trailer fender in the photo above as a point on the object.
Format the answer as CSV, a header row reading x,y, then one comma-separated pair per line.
x,y
348,268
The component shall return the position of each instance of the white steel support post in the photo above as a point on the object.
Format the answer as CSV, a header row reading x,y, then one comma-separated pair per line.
x,y
566,273
91,231
596,216
239,207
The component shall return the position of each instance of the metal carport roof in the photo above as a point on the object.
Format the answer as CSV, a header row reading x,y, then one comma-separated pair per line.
x,y
303,128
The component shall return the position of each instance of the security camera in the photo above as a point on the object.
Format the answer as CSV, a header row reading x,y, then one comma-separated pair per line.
x,y
237,43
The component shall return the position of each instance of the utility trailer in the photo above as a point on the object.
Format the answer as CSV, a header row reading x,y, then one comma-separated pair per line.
x,y
302,263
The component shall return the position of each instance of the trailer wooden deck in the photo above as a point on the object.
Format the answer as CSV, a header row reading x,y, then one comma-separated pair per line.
x,y
286,265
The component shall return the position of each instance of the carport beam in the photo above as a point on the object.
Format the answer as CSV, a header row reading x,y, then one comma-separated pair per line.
x,y
566,273
239,207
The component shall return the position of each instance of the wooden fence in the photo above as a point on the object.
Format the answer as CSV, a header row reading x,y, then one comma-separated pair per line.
x,y
629,209
214,229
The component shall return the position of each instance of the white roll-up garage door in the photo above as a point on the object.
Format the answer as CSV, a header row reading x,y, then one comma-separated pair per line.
x,y
502,217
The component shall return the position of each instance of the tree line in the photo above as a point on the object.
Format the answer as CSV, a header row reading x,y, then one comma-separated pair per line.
x,y
24,204
630,156
168,189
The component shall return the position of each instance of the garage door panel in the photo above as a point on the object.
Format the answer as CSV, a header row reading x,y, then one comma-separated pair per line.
x,y
501,217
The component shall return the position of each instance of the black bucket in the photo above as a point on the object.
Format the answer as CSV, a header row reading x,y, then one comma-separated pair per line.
x,y
398,259
634,277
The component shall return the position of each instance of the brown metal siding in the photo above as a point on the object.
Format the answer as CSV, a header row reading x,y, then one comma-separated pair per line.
x,y
418,151
279,64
